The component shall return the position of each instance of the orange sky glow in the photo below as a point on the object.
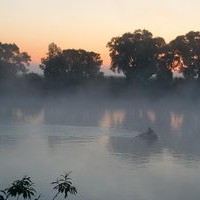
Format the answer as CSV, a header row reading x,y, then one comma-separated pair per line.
x,y
90,24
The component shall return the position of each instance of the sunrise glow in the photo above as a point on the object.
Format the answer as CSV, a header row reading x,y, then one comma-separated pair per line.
x,y
90,24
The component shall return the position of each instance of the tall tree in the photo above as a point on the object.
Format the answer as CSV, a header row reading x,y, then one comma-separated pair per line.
x,y
188,48
135,54
168,61
12,61
70,64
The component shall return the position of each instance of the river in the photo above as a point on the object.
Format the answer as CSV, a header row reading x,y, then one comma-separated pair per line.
x,y
97,140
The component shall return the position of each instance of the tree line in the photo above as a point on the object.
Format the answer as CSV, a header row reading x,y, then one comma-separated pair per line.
x,y
142,58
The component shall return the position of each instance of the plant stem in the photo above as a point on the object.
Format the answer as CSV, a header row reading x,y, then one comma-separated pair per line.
x,y
55,195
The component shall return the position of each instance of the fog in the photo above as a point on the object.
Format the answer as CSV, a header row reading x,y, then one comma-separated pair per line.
x,y
94,135
175,120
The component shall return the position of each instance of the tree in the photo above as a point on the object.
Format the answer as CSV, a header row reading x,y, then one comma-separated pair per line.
x,y
53,50
12,61
135,54
64,185
70,64
166,63
22,187
187,48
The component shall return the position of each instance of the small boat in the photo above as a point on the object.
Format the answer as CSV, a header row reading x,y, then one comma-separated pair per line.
x,y
148,135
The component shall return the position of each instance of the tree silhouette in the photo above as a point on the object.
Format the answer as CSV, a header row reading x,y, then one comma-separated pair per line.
x,y
165,65
187,48
12,60
22,187
135,54
70,64
64,185
53,50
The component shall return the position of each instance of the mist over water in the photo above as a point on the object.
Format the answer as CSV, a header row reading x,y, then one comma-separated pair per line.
x,y
96,138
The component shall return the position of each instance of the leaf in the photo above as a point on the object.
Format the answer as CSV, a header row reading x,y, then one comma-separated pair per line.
x,y
64,185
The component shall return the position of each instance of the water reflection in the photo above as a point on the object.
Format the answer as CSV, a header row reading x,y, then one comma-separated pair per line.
x,y
164,118
112,119
77,112
176,121
21,109
135,149
73,113
96,139
151,116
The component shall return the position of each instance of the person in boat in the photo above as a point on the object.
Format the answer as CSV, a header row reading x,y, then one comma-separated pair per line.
x,y
149,134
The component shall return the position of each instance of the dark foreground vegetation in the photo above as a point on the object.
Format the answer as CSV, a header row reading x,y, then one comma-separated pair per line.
x,y
25,187
149,66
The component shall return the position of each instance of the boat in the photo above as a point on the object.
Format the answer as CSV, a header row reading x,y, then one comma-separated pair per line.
x,y
148,135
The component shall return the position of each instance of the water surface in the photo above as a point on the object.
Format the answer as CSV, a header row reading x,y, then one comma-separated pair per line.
x,y
96,140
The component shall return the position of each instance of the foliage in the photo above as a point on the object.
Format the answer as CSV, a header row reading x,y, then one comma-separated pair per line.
x,y
70,64
3,195
135,54
64,185
165,65
139,56
12,61
22,187
187,48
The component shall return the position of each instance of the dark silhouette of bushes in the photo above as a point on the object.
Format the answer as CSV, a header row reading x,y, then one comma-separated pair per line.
x,y
25,187
70,65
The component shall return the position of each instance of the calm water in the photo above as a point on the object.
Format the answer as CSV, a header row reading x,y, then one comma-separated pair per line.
x,y
96,140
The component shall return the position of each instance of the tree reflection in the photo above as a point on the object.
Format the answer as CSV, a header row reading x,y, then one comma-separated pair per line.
x,y
177,126
175,122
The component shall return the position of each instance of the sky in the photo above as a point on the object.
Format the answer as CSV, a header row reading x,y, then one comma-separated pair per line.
x,y
90,24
